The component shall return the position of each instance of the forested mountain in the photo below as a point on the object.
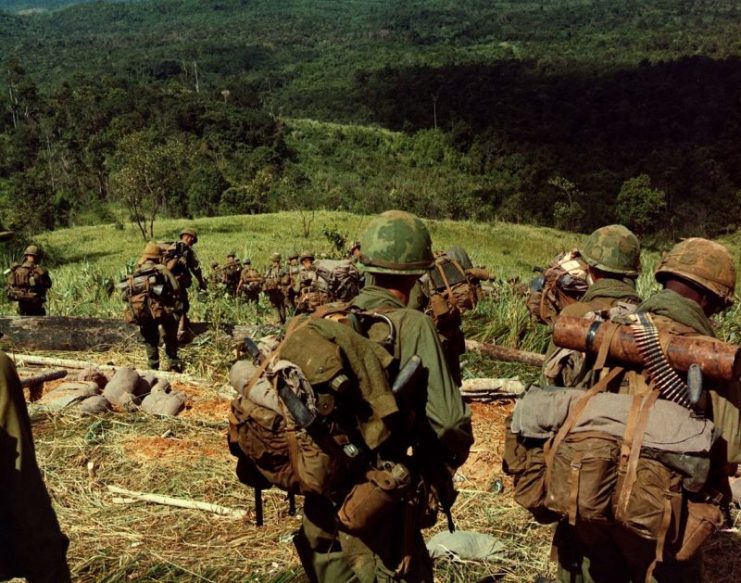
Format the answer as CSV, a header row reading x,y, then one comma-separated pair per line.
x,y
560,112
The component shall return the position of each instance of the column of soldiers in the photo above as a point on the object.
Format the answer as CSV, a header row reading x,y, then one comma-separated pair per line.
x,y
403,282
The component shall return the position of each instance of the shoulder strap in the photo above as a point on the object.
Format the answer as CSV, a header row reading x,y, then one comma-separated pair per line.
x,y
441,271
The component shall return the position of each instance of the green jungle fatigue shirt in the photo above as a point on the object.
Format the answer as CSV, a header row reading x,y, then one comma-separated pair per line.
x,y
31,542
448,415
330,555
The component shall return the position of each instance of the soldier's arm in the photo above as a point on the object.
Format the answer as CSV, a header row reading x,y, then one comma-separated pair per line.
x,y
33,542
195,268
448,416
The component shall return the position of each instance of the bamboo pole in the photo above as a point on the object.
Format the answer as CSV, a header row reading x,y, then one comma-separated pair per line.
x,y
21,359
179,502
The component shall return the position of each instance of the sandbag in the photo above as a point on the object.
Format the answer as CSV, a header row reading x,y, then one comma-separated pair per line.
x,y
164,404
94,375
126,388
95,405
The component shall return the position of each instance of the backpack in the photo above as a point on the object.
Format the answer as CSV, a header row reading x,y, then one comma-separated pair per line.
x,y
148,295
342,277
25,283
597,477
451,292
562,283
311,418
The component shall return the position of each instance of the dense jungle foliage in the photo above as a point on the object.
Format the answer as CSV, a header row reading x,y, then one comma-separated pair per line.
x,y
569,113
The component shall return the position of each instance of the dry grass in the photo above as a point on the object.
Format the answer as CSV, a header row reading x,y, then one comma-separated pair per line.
x,y
126,542
187,457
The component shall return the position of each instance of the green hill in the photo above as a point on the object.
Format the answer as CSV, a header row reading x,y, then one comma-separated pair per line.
x,y
545,111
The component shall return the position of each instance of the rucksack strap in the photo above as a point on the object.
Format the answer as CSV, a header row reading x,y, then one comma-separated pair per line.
x,y
451,297
573,417
471,295
635,429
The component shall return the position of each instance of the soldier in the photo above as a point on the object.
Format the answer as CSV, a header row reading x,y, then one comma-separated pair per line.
x,y
250,282
227,276
445,293
294,269
397,251
32,544
312,290
613,256
698,278
181,260
28,283
277,282
153,301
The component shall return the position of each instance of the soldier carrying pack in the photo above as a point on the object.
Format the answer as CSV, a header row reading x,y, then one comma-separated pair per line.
x,y
28,283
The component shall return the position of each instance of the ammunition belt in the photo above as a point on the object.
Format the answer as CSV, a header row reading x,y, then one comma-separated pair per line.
x,y
670,384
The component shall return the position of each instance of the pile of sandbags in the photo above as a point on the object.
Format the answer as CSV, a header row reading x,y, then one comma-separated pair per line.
x,y
94,393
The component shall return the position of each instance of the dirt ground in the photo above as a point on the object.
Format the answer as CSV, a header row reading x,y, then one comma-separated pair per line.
x,y
186,457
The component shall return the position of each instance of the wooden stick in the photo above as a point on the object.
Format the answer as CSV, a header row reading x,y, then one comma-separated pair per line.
x,y
179,502
21,359
43,378
506,354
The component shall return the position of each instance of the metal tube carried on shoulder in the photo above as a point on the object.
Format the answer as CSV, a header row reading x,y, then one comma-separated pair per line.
x,y
718,360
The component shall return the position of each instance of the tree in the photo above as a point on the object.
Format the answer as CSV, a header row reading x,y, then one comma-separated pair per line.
x,y
148,175
639,205
568,214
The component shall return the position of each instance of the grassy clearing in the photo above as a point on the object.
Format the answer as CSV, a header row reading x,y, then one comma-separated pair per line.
x,y
121,542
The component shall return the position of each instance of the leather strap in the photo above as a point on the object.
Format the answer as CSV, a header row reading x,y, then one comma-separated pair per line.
x,y
451,297
636,441
611,329
576,410
666,521
574,492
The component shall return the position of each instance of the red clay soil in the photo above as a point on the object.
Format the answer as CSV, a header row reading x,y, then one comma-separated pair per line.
x,y
484,464
169,450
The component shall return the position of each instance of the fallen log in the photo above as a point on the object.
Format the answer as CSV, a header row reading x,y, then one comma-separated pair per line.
x,y
179,502
29,381
22,359
78,334
506,354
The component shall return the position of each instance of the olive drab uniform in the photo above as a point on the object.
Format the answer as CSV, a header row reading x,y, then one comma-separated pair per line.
x,y
231,274
612,552
311,289
181,260
394,550
31,543
28,283
615,293
276,286
250,283
294,272
153,301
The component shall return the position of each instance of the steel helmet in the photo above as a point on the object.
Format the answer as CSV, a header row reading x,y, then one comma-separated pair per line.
x,y
190,231
706,263
613,249
307,255
396,242
152,251
276,257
